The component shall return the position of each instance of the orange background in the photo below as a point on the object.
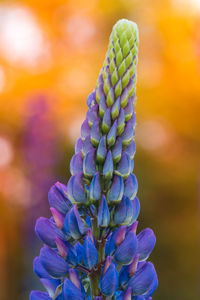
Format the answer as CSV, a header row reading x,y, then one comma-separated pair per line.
x,y
51,53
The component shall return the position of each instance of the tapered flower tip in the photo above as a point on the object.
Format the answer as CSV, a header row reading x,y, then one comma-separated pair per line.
x,y
136,209
124,212
76,164
103,217
38,269
55,265
87,146
91,99
130,186
130,149
107,264
128,271
124,166
90,254
78,145
143,279
146,242
133,227
117,189
73,224
115,240
58,217
111,137
50,285
125,29
89,163
71,291
47,232
95,188
109,281
102,151
37,295
126,251
75,189
58,197
108,166
85,129
117,150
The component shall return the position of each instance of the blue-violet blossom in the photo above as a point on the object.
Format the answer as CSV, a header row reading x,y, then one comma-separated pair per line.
x,y
91,247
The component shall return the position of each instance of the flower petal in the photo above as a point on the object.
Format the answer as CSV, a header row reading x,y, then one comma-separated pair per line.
x,y
47,232
111,137
90,254
143,279
89,163
106,122
124,166
76,164
146,242
50,285
55,265
121,122
115,109
102,151
108,166
38,269
37,295
130,186
126,251
75,189
58,198
124,212
109,281
117,150
87,146
117,189
103,217
95,188
95,134
71,291
85,129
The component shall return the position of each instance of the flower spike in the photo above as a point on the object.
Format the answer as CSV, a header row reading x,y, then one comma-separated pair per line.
x,y
91,247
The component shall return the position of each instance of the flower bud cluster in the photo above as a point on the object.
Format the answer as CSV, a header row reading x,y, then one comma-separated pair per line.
x,y
91,246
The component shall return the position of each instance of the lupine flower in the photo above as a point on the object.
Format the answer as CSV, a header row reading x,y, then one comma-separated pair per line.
x,y
92,249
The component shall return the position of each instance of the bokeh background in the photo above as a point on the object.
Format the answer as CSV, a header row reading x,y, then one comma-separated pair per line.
x,y
50,55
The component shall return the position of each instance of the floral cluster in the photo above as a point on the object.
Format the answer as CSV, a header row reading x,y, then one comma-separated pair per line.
x,y
91,248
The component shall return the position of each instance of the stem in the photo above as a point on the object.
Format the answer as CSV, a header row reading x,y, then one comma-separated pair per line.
x,y
83,269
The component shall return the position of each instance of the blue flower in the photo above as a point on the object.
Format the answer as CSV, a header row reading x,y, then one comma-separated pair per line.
x,y
91,246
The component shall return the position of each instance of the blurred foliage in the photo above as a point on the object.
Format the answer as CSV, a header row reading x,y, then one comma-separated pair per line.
x,y
54,50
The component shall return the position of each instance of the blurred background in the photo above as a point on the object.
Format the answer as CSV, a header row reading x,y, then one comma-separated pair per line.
x,y
51,53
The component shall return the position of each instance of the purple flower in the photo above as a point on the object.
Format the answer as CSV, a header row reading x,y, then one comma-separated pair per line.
x,y
92,250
